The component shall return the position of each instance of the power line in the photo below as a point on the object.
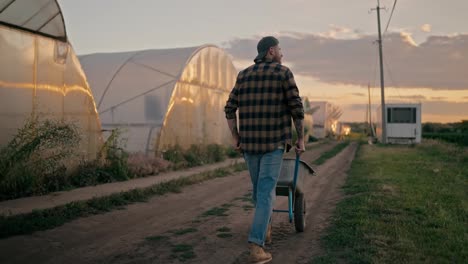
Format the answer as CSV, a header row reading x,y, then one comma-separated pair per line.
x,y
390,18
373,72
396,86
373,68
374,83
374,86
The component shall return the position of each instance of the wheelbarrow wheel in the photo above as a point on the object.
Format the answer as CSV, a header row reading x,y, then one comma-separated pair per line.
x,y
300,213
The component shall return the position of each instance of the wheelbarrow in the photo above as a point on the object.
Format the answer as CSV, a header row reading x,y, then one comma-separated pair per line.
x,y
291,184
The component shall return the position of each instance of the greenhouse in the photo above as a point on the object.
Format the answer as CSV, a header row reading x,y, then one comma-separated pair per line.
x,y
162,98
325,116
40,75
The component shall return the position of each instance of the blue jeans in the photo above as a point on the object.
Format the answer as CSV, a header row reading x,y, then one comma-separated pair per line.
x,y
264,172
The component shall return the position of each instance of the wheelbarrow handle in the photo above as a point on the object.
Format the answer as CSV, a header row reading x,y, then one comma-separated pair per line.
x,y
296,171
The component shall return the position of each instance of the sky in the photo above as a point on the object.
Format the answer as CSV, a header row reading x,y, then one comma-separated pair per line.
x,y
328,44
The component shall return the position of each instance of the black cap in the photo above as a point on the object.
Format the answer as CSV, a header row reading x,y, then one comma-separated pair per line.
x,y
264,45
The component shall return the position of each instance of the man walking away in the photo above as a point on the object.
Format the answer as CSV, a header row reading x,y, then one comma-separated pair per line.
x,y
266,98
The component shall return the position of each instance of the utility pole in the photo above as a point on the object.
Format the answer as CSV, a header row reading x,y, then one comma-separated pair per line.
x,y
369,111
384,120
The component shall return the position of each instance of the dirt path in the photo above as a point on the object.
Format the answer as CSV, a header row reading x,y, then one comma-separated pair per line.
x,y
206,223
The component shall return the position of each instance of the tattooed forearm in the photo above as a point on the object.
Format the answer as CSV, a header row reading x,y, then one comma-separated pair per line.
x,y
232,123
299,124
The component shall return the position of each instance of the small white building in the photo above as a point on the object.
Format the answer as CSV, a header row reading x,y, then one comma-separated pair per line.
x,y
403,123
341,129
325,117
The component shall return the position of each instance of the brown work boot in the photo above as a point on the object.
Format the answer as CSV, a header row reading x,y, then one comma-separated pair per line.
x,y
268,235
258,255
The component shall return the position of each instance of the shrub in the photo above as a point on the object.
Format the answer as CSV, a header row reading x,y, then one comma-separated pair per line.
x,y
232,153
197,155
142,165
215,153
111,164
175,156
457,138
33,162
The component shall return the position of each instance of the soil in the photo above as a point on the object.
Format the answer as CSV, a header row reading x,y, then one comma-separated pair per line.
x,y
205,223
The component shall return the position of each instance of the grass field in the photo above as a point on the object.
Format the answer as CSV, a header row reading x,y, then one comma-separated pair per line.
x,y
331,153
403,205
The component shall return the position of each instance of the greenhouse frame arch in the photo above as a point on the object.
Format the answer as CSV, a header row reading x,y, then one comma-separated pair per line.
x,y
163,98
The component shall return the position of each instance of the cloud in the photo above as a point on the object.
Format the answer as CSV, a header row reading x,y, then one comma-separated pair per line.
x,y
445,108
340,29
357,107
439,97
409,97
426,28
407,37
359,94
439,63
337,31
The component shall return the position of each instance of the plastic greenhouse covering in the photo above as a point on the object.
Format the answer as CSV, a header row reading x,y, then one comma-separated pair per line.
x,y
40,74
163,98
37,16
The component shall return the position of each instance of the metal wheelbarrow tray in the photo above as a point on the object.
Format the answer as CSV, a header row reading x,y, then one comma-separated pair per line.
x,y
291,184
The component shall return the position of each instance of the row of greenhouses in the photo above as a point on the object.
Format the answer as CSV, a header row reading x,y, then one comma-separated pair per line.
x,y
155,98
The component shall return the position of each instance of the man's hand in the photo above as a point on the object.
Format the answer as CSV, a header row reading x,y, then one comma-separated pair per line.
x,y
236,144
300,146
232,123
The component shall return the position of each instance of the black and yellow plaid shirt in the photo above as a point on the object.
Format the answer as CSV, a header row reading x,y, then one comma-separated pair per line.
x,y
267,98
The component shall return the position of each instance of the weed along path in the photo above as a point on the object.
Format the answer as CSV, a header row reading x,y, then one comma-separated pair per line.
x,y
205,223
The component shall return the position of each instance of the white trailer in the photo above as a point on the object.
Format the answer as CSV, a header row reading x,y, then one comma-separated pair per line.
x,y
403,123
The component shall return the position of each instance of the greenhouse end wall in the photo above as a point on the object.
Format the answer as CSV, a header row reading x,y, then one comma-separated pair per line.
x,y
196,109
42,77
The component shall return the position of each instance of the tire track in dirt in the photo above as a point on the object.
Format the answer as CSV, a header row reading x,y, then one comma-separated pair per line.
x,y
147,232
322,194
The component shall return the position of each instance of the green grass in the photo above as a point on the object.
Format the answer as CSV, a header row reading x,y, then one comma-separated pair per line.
x,y
224,232
224,229
331,153
197,155
239,167
403,205
183,252
57,216
245,198
460,138
157,238
181,248
216,211
224,235
248,207
317,144
180,232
